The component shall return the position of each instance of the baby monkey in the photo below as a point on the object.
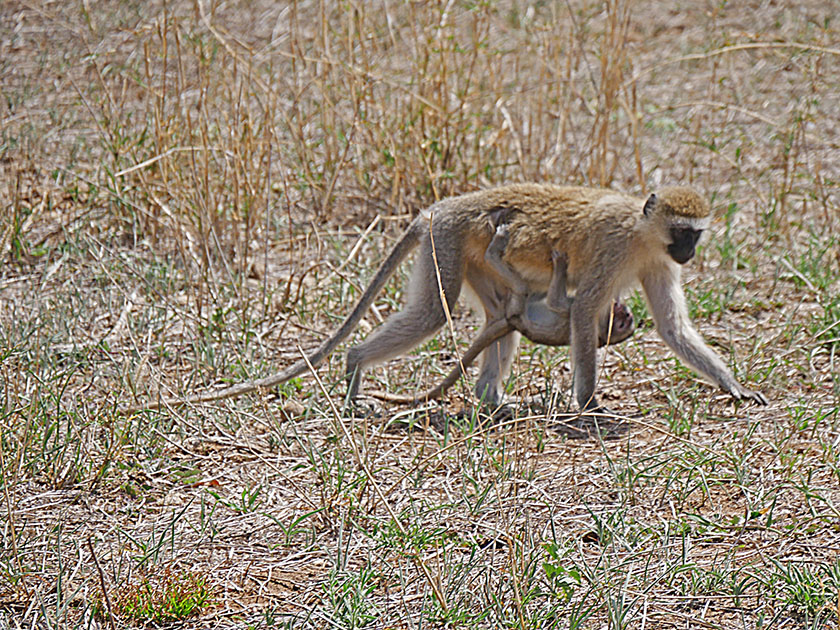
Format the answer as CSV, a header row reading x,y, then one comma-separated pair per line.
x,y
544,318
541,317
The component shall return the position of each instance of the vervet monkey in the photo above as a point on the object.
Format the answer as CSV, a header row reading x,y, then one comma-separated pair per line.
x,y
611,241
542,318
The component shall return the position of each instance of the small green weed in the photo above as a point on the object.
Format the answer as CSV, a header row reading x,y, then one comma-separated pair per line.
x,y
348,595
807,588
563,581
636,303
159,598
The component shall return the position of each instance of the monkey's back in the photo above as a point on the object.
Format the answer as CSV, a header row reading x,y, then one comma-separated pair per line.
x,y
572,219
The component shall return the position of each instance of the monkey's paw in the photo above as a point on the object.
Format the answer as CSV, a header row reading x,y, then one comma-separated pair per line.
x,y
503,232
363,407
742,393
559,258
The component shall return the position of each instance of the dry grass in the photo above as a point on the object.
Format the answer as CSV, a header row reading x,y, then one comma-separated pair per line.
x,y
193,191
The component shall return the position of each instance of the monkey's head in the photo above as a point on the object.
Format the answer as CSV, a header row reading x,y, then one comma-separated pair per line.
x,y
681,215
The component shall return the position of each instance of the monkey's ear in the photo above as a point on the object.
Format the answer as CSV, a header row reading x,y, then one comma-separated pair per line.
x,y
649,204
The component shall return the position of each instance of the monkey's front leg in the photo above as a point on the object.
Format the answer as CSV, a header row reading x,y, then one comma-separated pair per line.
x,y
667,303
584,353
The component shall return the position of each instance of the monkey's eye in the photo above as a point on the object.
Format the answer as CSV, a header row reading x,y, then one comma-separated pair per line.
x,y
685,234
683,242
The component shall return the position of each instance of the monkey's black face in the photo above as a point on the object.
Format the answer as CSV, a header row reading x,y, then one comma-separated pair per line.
x,y
683,242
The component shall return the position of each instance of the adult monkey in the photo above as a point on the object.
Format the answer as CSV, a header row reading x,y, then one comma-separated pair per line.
x,y
611,241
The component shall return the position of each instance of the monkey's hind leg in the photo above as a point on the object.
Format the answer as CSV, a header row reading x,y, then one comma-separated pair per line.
x,y
420,318
498,357
495,366
490,333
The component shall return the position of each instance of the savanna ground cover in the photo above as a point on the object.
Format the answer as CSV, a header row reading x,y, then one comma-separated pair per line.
x,y
194,192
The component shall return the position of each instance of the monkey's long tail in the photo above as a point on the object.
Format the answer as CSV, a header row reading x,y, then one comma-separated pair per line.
x,y
408,241
493,332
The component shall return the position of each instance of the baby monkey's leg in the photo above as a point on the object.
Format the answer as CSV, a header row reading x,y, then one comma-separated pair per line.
x,y
517,284
557,298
